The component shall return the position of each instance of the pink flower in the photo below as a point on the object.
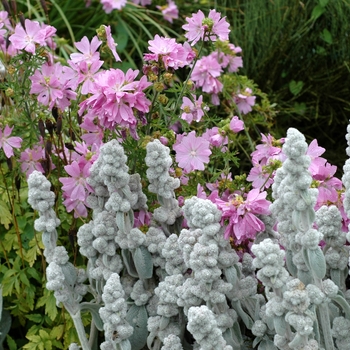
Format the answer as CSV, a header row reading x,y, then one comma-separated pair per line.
x,y
85,73
78,206
232,61
236,125
30,159
259,177
28,37
142,2
111,43
52,86
243,223
205,74
314,151
192,152
167,50
270,148
89,53
75,188
110,5
328,185
193,110
216,137
8,143
199,27
115,97
169,11
245,101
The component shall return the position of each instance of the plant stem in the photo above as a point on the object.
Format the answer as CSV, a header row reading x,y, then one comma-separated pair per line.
x,y
78,323
188,78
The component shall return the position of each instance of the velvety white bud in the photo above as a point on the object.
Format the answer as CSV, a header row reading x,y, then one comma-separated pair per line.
x,y
259,328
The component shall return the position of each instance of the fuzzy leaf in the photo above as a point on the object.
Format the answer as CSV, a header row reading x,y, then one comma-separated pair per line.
x,y
317,262
267,344
94,310
125,345
293,270
137,317
143,262
280,325
129,263
5,325
231,275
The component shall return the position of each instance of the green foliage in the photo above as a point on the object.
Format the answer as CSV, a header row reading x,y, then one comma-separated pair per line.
x,y
298,53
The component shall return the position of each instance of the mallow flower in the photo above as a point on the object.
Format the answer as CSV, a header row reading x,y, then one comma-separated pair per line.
x,y
241,213
192,152
199,27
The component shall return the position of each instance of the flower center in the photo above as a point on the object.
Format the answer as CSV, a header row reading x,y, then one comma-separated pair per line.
x,y
193,153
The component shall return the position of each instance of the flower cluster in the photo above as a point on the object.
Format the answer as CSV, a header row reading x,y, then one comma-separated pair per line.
x,y
115,97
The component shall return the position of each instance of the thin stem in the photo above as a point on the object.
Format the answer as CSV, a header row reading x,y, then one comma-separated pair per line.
x,y
78,323
188,78
6,258
93,335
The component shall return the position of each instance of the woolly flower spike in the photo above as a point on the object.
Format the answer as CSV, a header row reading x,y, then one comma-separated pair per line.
x,y
201,213
295,145
159,162
296,298
340,332
204,328
113,313
166,292
270,259
294,199
40,197
172,342
212,27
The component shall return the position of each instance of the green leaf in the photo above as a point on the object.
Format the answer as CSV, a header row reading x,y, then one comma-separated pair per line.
x,y
49,300
5,215
295,87
33,273
57,332
11,343
317,12
122,37
323,3
24,279
326,36
37,318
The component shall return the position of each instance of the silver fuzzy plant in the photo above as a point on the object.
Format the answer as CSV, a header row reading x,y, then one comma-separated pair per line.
x,y
175,288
